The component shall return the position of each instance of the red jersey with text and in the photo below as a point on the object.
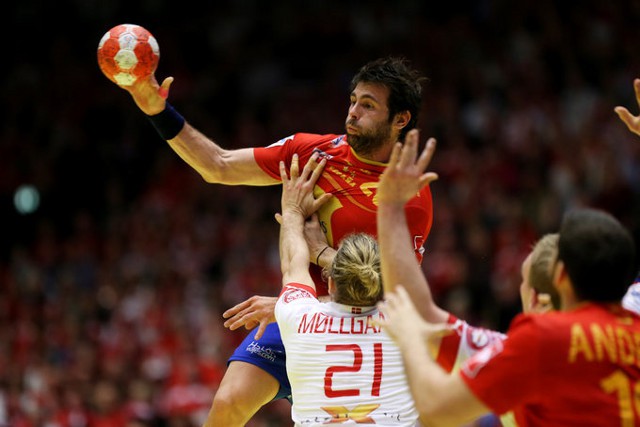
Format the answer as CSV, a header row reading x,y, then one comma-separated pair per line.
x,y
353,181
576,368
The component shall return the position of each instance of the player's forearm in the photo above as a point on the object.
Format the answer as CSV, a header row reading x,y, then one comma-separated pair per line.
x,y
325,256
398,263
429,385
215,164
423,375
294,253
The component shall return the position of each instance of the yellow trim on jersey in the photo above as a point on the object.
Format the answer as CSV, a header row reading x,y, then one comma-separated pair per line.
x,y
363,160
349,197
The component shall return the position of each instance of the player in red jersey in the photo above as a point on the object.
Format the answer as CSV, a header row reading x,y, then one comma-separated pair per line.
x,y
384,102
400,181
550,366
343,369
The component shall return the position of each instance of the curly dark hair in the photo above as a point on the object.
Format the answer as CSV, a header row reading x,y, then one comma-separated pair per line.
x,y
404,83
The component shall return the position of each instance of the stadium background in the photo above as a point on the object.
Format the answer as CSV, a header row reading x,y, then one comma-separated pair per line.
x,y
111,291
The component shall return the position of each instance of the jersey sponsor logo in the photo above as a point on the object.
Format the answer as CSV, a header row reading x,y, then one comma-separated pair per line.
x,y
262,351
360,414
322,154
292,294
338,140
480,359
395,417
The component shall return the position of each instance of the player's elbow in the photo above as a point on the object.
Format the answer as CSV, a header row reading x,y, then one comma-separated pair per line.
x,y
229,167
218,171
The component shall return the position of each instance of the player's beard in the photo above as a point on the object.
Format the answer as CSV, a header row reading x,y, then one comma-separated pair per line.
x,y
368,141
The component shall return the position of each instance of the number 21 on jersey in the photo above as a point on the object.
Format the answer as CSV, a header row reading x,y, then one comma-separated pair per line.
x,y
359,364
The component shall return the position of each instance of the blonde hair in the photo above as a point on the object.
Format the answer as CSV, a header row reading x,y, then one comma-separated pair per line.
x,y
356,271
543,257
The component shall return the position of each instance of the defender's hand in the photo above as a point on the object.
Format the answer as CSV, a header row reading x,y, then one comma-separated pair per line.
x,y
632,122
257,310
405,174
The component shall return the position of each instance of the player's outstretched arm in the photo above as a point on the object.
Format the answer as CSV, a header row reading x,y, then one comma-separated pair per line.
x,y
632,122
117,51
298,203
212,162
402,179
320,252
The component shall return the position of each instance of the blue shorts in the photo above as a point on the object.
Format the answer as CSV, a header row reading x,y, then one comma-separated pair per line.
x,y
267,354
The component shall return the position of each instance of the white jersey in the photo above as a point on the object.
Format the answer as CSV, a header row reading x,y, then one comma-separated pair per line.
x,y
631,300
343,369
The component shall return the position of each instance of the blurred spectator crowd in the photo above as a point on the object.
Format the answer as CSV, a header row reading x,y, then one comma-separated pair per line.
x,y
112,291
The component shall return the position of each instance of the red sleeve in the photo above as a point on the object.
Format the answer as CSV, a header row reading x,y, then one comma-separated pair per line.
x,y
508,372
303,144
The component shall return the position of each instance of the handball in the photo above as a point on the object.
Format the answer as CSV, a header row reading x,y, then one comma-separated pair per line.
x,y
126,53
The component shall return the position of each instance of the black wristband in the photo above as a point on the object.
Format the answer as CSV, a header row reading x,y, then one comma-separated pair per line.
x,y
168,122
319,254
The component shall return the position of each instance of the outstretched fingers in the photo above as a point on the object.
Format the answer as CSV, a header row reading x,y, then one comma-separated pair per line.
x,y
410,149
424,160
317,204
308,168
427,154
317,171
395,155
298,188
295,167
313,169
261,329
632,122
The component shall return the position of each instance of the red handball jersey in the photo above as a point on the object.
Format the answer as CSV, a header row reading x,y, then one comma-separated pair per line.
x,y
353,182
576,368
